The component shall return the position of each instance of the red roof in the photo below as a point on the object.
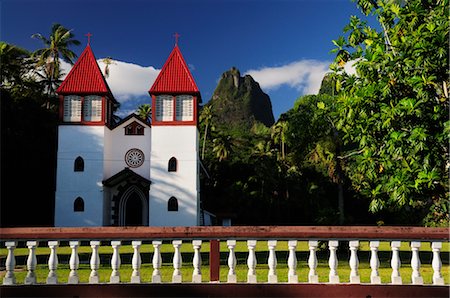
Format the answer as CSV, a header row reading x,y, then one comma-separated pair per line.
x,y
85,77
175,76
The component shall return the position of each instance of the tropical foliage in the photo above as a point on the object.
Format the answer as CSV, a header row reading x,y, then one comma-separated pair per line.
x,y
394,111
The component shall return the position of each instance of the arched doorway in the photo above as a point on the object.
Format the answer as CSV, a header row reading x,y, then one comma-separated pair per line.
x,y
133,207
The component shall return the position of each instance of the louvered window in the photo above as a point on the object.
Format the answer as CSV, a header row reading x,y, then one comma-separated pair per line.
x,y
72,108
164,108
92,108
184,108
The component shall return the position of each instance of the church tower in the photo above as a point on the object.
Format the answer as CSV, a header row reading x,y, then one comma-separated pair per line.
x,y
174,169
86,105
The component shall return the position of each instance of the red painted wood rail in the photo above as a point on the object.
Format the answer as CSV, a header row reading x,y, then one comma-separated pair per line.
x,y
236,232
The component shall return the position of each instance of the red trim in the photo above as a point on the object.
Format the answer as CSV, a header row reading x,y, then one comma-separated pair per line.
x,y
61,108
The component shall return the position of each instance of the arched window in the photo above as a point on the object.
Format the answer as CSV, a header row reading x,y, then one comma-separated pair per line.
x,y
78,205
172,205
173,164
78,165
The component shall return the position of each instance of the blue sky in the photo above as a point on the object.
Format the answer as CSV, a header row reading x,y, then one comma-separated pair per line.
x,y
285,44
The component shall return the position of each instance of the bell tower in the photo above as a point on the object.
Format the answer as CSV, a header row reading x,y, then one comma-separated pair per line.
x,y
86,106
174,195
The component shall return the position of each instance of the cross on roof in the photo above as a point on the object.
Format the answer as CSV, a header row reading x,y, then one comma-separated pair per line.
x,y
89,37
176,38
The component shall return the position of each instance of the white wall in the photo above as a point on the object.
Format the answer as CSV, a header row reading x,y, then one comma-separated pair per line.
x,y
180,142
116,146
87,142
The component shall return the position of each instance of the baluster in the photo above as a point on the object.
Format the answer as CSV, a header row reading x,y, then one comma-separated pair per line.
x,y
197,261
74,262
416,279
115,263
312,262
52,277
177,261
30,279
354,262
156,261
436,263
292,262
136,262
10,278
95,262
395,263
333,261
272,262
374,262
231,278
251,261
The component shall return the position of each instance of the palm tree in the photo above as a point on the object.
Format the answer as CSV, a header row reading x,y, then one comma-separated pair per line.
x,y
56,48
222,147
145,112
108,61
205,116
279,136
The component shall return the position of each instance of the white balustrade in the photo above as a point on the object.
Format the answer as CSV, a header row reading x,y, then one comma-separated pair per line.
x,y
312,261
272,262
95,262
292,262
156,261
136,262
416,279
10,264
374,262
197,261
354,262
115,263
30,279
436,263
251,261
333,262
396,279
74,262
177,261
52,277
231,278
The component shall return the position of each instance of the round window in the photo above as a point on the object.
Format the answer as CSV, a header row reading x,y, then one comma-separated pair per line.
x,y
134,158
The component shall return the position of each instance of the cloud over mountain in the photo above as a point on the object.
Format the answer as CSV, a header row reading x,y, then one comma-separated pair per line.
x,y
303,75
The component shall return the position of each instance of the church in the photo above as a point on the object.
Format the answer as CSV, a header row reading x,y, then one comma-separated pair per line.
x,y
130,173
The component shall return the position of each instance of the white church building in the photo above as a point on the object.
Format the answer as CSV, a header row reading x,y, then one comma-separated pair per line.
x,y
131,173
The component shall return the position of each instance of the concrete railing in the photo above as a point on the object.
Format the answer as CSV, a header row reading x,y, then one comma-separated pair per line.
x,y
198,236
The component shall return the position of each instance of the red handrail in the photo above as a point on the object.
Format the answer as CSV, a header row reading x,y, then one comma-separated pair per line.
x,y
236,232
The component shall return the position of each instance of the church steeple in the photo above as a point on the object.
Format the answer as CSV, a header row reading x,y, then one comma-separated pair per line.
x,y
85,97
174,93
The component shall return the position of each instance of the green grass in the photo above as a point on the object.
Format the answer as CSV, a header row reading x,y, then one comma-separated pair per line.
x,y
167,249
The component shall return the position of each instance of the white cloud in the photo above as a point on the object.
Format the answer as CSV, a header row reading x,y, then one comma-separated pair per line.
x,y
304,75
127,81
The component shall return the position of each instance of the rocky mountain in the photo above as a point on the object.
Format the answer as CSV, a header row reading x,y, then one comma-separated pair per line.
x,y
239,102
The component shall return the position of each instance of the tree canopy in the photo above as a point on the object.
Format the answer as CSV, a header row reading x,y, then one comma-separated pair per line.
x,y
394,111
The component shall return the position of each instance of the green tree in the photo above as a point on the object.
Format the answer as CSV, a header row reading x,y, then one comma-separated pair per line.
x,y
394,111
279,136
56,47
222,147
145,112
205,118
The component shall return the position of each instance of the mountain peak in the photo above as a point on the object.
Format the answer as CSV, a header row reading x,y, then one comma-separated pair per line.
x,y
239,101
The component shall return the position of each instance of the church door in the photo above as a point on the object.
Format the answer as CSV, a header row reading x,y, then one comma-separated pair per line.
x,y
133,208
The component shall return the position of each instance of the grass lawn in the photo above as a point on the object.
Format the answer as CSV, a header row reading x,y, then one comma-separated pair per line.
x,y
241,251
